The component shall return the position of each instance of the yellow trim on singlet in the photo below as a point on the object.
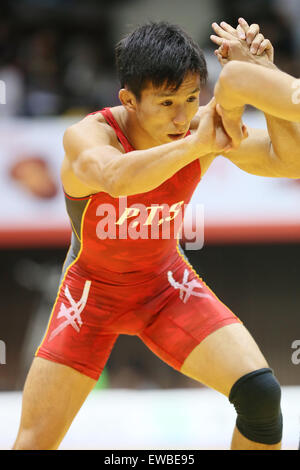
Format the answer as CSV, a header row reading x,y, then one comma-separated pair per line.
x,y
74,230
62,281
191,267
66,257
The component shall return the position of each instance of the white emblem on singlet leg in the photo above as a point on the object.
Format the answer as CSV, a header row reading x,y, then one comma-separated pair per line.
x,y
186,287
72,314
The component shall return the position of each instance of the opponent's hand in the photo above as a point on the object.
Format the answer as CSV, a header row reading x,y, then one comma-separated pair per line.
x,y
256,41
244,43
211,133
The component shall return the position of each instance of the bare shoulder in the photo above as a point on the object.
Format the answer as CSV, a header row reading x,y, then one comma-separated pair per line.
x,y
91,131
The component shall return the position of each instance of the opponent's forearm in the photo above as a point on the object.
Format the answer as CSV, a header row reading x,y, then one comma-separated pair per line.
x,y
272,91
285,140
143,170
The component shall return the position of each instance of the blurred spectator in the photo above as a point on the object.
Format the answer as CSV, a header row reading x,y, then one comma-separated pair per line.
x,y
81,68
40,63
12,76
87,80
10,73
290,10
56,57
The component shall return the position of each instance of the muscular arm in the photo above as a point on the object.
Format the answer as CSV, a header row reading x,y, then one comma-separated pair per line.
x,y
102,167
272,91
99,165
272,153
258,154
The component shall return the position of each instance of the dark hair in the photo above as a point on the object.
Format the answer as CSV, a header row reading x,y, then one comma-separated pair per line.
x,y
159,53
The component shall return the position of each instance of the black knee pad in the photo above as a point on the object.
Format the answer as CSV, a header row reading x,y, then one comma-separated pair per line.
x,y
256,398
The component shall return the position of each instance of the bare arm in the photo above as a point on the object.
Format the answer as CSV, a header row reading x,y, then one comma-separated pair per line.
x,y
258,156
272,91
272,153
102,167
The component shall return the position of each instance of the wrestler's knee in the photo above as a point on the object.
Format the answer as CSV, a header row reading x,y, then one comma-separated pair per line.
x,y
256,397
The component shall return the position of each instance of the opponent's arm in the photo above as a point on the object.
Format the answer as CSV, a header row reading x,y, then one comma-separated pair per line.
x,y
102,167
272,153
245,43
272,91
257,155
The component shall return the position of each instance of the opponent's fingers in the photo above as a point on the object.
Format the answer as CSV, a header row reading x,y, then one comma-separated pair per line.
x,y
241,32
224,49
243,24
229,29
251,33
222,60
216,40
266,46
221,32
256,43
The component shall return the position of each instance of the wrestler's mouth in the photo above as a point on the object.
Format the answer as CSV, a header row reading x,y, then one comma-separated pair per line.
x,y
176,136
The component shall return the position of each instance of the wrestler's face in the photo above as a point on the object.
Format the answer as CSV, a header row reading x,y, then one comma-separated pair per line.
x,y
164,115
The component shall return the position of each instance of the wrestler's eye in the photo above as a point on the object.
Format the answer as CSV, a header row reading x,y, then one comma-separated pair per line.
x,y
191,99
167,103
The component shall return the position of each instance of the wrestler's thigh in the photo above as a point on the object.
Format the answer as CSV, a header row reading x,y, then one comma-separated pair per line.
x,y
198,335
53,394
223,357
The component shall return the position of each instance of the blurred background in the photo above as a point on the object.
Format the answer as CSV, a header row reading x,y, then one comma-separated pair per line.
x,y
57,64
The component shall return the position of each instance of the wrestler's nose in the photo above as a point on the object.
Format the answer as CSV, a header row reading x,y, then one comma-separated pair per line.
x,y
180,117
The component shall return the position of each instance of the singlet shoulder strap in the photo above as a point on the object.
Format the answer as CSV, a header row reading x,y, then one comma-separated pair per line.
x,y
108,116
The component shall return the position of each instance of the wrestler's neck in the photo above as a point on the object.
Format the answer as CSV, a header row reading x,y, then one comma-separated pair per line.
x,y
131,128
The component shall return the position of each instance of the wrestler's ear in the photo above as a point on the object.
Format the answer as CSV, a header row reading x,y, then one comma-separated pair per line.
x,y
127,99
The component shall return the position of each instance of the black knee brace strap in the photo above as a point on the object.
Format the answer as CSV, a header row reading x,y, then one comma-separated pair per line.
x,y
256,398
